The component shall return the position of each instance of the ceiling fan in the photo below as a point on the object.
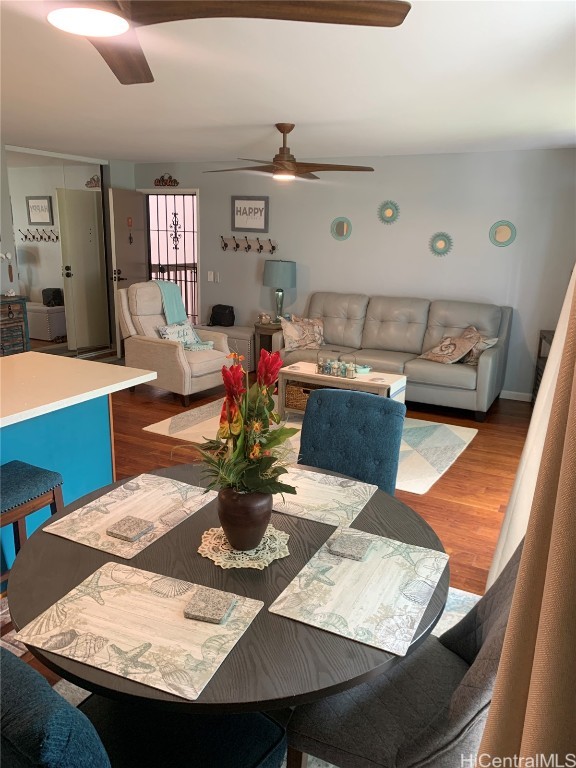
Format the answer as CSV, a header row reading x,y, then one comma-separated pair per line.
x,y
284,165
126,59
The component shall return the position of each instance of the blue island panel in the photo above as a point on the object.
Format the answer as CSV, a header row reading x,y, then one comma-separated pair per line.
x,y
75,441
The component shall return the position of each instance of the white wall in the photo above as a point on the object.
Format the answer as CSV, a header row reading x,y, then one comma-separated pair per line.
x,y
7,244
462,194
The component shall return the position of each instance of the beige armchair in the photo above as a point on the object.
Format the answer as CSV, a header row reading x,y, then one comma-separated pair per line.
x,y
179,370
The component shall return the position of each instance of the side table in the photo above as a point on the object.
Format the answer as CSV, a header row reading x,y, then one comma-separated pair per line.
x,y
264,333
544,344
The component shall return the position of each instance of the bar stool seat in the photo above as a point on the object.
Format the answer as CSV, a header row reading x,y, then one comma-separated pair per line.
x,y
25,488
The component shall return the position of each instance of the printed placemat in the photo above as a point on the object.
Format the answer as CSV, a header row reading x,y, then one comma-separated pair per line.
x,y
159,500
131,623
216,547
323,498
378,601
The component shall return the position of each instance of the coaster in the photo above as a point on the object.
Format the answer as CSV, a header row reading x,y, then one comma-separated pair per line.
x,y
215,546
210,605
349,545
130,528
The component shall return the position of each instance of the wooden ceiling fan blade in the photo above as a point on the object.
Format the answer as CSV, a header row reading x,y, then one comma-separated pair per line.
x,y
307,176
313,167
125,57
261,168
369,13
253,160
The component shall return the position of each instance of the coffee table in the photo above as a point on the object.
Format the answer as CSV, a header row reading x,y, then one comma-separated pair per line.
x,y
384,384
278,662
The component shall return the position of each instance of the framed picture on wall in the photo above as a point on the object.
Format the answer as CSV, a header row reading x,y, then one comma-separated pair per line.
x,y
249,214
39,210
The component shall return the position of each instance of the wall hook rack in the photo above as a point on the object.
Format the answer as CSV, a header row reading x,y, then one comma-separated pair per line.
x,y
39,236
254,245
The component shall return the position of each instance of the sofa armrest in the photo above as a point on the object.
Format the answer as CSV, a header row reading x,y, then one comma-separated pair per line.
x,y
491,370
220,339
277,340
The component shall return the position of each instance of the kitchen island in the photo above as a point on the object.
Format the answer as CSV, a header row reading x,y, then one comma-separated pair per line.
x,y
55,412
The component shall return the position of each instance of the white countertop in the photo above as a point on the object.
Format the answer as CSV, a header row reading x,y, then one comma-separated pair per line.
x,y
35,383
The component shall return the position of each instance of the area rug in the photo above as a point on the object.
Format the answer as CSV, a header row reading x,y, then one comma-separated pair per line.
x,y
428,448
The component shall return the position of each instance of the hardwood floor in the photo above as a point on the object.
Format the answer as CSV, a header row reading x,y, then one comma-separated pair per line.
x,y
465,507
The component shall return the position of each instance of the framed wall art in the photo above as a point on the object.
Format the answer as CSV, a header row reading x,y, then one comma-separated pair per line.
x,y
250,214
39,210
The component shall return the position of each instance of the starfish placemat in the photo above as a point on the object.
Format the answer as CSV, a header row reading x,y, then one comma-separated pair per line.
x,y
160,501
131,623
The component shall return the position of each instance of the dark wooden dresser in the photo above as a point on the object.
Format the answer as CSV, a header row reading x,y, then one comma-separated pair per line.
x,y
13,325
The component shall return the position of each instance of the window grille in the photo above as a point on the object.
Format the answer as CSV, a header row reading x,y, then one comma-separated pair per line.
x,y
172,223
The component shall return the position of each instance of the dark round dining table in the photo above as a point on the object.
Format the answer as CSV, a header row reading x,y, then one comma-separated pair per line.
x,y
278,662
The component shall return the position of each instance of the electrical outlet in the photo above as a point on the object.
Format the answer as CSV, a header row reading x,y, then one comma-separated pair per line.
x,y
210,277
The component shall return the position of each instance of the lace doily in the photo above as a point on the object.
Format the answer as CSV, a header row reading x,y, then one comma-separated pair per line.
x,y
215,545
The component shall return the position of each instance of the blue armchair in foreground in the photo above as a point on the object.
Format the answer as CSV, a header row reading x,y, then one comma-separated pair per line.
x,y
40,728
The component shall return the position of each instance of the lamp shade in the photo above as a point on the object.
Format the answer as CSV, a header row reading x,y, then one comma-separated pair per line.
x,y
279,274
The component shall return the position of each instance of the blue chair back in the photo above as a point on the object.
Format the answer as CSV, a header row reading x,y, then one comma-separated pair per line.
x,y
354,433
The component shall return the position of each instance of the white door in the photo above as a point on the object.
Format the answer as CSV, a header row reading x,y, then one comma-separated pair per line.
x,y
84,268
129,236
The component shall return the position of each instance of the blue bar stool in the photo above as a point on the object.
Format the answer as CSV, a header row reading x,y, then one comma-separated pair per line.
x,y
24,489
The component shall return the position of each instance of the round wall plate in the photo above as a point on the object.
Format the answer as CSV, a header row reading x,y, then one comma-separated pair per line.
x,y
441,243
341,228
388,212
502,233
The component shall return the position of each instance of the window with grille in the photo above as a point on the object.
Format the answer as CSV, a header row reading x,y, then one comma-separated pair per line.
x,y
172,223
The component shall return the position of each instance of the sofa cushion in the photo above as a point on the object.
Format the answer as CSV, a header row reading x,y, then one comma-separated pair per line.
x,y
481,343
450,349
420,371
301,355
182,332
207,361
451,318
304,333
343,315
380,359
395,324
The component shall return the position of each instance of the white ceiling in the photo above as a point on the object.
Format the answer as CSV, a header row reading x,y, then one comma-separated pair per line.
x,y
457,76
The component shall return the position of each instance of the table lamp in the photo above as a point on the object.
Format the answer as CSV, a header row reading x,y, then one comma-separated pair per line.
x,y
280,275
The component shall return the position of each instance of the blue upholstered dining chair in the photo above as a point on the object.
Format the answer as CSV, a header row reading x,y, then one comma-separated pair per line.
x,y
40,728
428,711
355,433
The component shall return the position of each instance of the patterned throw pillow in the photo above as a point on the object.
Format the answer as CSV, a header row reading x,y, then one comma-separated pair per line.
x,y
185,334
450,350
302,333
481,343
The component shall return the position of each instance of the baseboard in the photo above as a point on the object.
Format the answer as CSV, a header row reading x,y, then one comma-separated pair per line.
x,y
525,397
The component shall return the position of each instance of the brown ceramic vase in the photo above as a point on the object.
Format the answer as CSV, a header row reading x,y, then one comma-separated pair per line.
x,y
244,517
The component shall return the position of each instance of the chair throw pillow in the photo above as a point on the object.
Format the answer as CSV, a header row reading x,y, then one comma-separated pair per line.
x,y
302,333
450,350
186,335
481,343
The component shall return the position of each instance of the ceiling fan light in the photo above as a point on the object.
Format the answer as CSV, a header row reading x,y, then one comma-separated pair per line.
x,y
90,22
283,176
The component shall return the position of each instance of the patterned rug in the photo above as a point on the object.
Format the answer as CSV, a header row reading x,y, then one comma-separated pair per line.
x,y
428,448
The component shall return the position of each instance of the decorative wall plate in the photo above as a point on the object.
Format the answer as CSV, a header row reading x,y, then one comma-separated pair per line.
x,y
341,228
388,212
502,233
440,243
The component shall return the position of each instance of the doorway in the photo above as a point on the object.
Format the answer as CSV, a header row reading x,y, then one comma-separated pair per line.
x,y
173,237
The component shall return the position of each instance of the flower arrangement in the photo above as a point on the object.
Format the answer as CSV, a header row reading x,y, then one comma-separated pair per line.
x,y
245,455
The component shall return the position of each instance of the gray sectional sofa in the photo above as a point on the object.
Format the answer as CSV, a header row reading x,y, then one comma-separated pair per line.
x,y
389,333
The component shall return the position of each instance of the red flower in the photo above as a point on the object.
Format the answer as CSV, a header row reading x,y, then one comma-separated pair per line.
x,y
268,367
234,382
